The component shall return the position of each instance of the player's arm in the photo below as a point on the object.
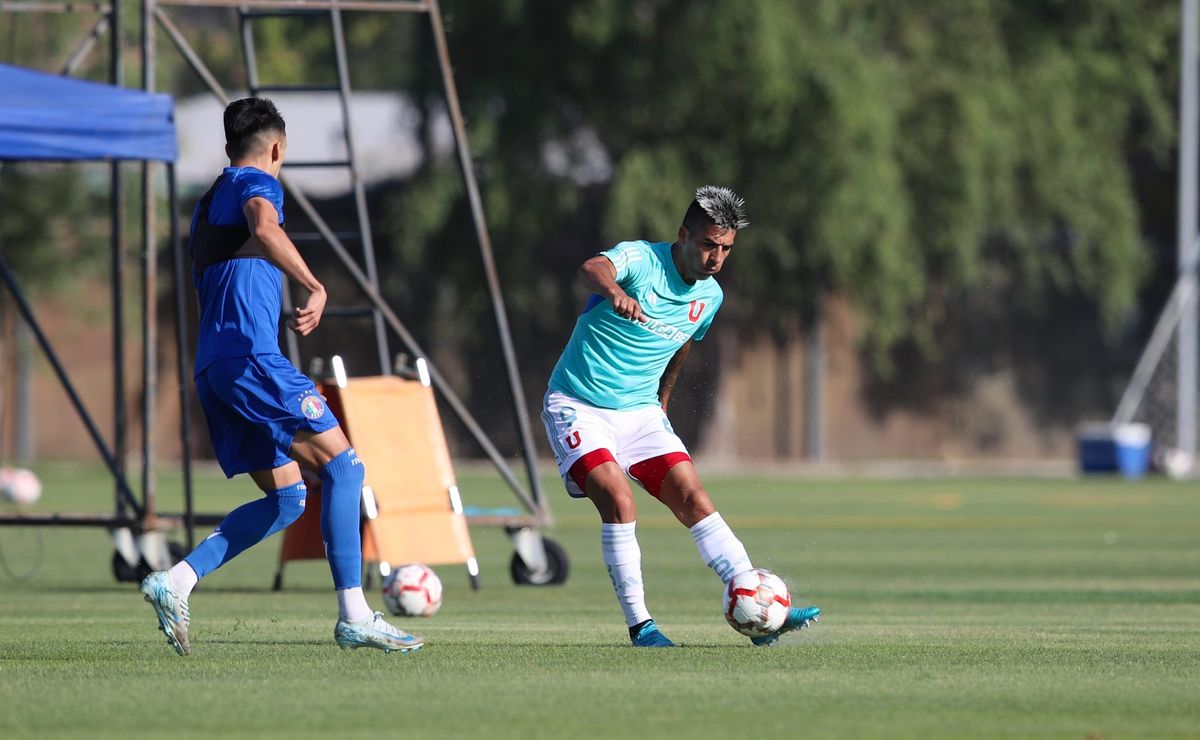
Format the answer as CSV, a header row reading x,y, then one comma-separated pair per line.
x,y
671,373
263,221
599,276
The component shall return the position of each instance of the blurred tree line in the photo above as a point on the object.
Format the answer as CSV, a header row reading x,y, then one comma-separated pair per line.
x,y
990,183
987,182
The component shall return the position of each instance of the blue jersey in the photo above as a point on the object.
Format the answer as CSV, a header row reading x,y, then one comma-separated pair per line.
x,y
614,363
240,291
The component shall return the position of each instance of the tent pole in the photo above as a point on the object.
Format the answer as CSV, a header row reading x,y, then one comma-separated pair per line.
x,y
149,290
116,216
181,356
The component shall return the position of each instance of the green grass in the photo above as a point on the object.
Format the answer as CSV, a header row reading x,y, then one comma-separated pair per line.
x,y
953,608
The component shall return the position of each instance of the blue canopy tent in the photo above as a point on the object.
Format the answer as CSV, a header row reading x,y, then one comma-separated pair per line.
x,y
51,118
48,117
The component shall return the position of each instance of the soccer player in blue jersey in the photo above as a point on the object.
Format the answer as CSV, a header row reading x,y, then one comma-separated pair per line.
x,y
605,410
263,416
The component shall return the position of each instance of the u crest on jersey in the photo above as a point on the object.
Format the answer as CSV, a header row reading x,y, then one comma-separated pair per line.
x,y
695,311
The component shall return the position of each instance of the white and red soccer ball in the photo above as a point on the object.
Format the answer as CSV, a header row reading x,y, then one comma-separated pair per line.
x,y
412,590
19,485
756,602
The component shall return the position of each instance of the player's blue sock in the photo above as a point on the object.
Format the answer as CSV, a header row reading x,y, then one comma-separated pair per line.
x,y
248,525
341,492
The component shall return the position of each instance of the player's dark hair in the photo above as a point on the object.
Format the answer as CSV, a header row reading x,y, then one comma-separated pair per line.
x,y
716,205
246,120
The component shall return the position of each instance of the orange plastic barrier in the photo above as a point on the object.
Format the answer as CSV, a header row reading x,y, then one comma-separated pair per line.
x,y
395,427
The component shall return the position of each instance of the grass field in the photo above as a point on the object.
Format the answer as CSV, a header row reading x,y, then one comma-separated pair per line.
x,y
953,608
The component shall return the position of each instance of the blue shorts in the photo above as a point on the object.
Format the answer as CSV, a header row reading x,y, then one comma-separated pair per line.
x,y
254,406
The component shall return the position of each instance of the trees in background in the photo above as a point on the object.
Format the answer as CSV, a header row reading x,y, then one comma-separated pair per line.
x,y
967,172
910,156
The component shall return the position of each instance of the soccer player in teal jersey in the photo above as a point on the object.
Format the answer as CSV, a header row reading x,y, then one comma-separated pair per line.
x,y
605,409
263,416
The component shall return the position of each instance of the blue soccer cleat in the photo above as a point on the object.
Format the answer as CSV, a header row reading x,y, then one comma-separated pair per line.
x,y
648,635
171,609
375,633
798,618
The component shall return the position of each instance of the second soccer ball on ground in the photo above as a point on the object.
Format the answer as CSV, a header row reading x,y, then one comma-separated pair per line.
x,y
756,602
412,590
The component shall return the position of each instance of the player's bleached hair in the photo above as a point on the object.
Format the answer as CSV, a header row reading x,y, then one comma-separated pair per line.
x,y
723,207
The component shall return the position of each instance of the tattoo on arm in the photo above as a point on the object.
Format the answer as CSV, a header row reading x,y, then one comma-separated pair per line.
x,y
671,373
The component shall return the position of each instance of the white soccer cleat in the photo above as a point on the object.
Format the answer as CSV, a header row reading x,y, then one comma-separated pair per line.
x,y
375,633
171,609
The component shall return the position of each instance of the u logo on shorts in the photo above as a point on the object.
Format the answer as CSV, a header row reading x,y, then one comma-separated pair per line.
x,y
573,441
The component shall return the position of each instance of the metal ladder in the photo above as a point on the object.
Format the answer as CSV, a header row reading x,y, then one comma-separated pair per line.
x,y
362,234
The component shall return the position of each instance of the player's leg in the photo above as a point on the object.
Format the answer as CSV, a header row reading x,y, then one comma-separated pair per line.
x,y
329,454
671,478
665,470
282,503
247,525
661,464
719,547
326,451
581,439
240,447
240,403
608,489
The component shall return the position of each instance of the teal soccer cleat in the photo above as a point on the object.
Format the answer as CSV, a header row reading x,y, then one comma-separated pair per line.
x,y
375,633
798,618
171,609
647,634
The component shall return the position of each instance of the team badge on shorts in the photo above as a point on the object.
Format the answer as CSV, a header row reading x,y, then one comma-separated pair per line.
x,y
312,407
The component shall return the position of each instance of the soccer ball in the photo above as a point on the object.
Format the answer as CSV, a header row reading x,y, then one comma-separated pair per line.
x,y
756,602
19,485
1177,463
412,590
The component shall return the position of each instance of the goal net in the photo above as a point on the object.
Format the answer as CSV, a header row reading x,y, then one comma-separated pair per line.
x,y
1153,396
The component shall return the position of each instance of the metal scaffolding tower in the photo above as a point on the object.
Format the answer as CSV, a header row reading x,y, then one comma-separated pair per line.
x,y
155,15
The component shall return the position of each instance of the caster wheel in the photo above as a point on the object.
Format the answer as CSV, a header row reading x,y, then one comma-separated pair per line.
x,y
557,567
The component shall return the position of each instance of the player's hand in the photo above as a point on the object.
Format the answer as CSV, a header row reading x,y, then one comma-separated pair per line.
x,y
305,318
627,307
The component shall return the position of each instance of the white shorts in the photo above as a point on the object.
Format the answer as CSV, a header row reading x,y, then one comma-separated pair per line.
x,y
640,440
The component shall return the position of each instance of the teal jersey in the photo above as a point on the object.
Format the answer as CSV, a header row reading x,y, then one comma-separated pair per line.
x,y
614,363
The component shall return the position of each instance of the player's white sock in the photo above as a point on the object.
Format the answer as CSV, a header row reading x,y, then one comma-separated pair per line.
x,y
352,605
183,578
623,558
719,547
